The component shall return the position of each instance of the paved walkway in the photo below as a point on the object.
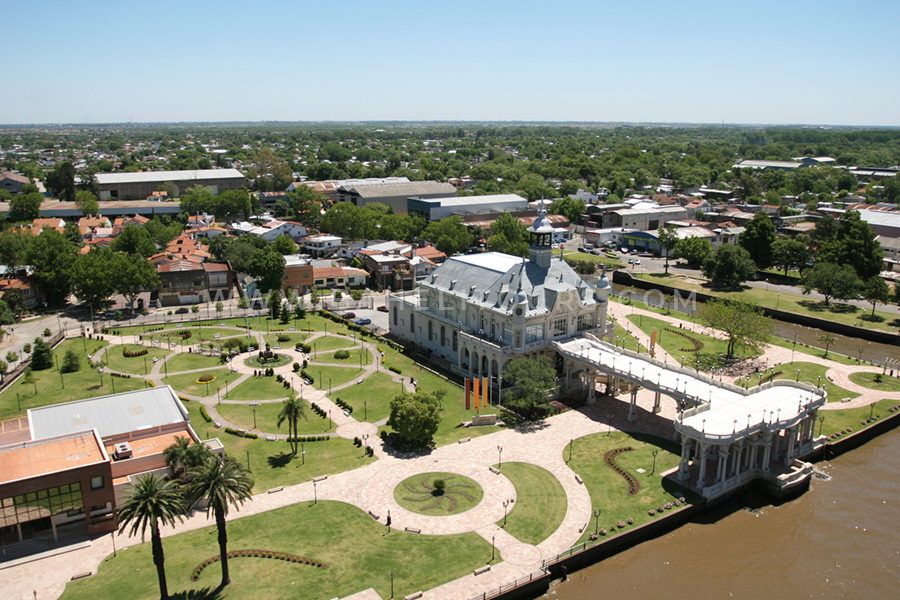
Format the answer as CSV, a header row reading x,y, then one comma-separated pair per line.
x,y
370,488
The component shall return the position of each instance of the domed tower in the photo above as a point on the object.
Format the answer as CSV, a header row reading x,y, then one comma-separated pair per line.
x,y
601,295
540,239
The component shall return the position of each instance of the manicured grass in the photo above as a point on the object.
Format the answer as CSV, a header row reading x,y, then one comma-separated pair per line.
x,y
333,376
259,388
353,546
294,338
836,311
609,490
866,379
600,259
418,494
810,373
281,358
329,343
630,342
136,365
371,401
85,383
678,345
540,505
267,419
187,383
844,418
190,361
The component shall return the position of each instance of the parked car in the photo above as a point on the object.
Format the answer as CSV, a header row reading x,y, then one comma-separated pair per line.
x,y
637,261
182,311
594,252
364,322
382,308
582,249
349,315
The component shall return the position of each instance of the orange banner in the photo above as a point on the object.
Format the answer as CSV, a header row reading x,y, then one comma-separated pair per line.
x,y
485,388
475,393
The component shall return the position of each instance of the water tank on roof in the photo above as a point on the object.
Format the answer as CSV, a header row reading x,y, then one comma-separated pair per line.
x,y
123,450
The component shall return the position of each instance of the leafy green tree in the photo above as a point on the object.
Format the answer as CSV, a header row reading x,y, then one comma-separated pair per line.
x,y
668,239
570,208
533,384
745,325
854,244
449,235
134,275
152,501
307,205
292,410
790,253
183,456
93,279
828,340
508,236
729,266
220,482
243,303
415,417
61,181
13,249
198,199
25,207
757,239
42,356
349,221
695,250
87,202
831,280
170,188
876,290
52,257
6,314
274,304
267,266
219,307
284,245
135,240
71,362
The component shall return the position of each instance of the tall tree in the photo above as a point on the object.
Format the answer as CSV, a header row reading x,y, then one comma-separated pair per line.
x,y
694,250
93,276
183,456
283,244
222,483
307,205
61,181
152,501
449,235
831,280
790,253
25,207
533,383
854,244
134,275
291,411
415,417
13,249
508,236
87,202
134,239
745,325
757,239
52,257
570,208
729,266
668,239
267,266
876,290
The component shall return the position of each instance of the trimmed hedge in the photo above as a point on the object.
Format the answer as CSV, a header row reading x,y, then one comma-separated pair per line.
x,y
205,414
195,574
240,433
133,353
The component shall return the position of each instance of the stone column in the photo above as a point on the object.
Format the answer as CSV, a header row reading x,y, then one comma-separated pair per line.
x,y
736,463
751,456
789,454
722,467
704,454
592,386
632,408
657,397
684,467
767,452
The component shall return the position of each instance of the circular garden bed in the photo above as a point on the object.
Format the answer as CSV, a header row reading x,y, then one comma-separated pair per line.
x,y
438,494
279,360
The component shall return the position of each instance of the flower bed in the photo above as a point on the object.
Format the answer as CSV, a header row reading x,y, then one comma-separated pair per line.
x,y
697,345
610,458
195,575
206,379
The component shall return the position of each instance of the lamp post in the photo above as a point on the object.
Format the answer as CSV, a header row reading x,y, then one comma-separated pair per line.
x,y
571,441
597,521
493,538
254,417
392,584
654,453
329,419
248,461
798,376
316,494
499,456
505,504
100,370
821,421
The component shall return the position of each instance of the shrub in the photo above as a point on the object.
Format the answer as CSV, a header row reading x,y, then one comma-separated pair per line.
x,y
205,414
296,367
206,378
46,332
283,337
394,369
342,354
71,362
133,353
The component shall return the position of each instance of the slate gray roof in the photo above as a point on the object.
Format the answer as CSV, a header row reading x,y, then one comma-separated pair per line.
x,y
109,415
163,176
499,279
412,188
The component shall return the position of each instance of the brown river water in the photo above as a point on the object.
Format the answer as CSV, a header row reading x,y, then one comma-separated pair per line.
x,y
841,539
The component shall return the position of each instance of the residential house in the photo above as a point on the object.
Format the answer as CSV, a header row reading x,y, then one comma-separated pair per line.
x,y
271,230
13,182
321,245
298,274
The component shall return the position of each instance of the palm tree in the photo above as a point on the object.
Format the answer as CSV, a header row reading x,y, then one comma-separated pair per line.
x,y
827,340
183,456
220,481
151,501
291,411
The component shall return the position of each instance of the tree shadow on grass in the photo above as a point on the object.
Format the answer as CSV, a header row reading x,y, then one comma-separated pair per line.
x,y
280,460
201,594
872,318
895,323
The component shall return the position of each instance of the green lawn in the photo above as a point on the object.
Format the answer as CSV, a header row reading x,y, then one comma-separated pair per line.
x,y
630,342
810,373
334,376
267,418
841,419
418,494
609,490
678,345
294,338
48,387
871,381
136,365
353,546
187,383
259,388
190,361
600,259
371,401
540,505
329,343
836,311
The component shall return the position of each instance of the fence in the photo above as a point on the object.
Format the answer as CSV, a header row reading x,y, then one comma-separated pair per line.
x,y
347,303
529,586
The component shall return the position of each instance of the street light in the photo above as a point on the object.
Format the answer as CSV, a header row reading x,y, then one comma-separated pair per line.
x,y
392,584
654,453
499,456
100,370
505,504
597,521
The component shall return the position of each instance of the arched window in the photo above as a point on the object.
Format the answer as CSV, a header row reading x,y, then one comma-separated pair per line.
x,y
430,330
443,336
395,315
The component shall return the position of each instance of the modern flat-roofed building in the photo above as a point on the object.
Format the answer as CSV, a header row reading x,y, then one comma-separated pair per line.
x,y
394,195
435,209
137,186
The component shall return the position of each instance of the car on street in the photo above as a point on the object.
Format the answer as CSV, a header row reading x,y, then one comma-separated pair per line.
x,y
364,322
382,308
637,261
349,315
581,249
181,311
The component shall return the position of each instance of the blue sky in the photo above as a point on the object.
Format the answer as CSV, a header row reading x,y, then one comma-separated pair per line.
x,y
828,62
